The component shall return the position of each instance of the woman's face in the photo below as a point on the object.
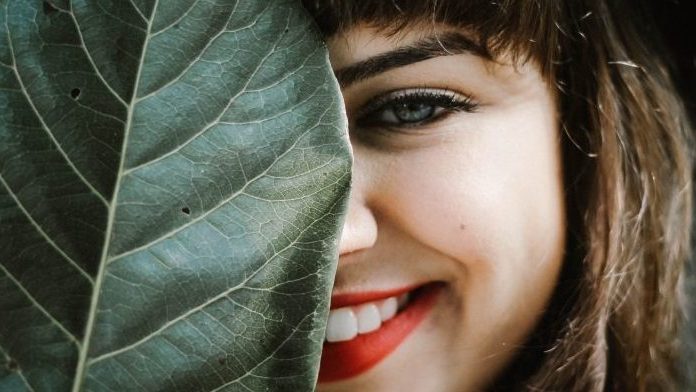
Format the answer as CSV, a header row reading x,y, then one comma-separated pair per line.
x,y
457,193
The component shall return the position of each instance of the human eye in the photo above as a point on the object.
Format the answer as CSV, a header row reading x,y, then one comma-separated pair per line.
x,y
411,108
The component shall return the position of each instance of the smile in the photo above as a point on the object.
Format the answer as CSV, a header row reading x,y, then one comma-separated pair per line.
x,y
364,328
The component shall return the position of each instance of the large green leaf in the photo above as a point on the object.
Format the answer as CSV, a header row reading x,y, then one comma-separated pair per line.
x,y
173,175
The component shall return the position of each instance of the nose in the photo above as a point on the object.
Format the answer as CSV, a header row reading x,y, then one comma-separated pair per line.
x,y
360,227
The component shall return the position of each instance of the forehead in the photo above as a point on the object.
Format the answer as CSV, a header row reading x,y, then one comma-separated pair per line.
x,y
363,41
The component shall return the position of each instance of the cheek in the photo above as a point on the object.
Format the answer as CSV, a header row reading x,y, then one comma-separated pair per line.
x,y
492,203
483,198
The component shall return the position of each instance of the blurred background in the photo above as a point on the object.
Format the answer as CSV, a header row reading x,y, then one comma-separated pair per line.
x,y
676,20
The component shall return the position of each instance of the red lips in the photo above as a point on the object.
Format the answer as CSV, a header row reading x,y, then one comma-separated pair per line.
x,y
351,299
347,359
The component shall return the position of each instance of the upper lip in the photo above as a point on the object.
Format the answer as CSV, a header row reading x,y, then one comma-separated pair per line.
x,y
356,298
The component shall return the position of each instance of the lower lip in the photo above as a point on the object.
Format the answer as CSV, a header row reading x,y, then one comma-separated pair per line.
x,y
343,360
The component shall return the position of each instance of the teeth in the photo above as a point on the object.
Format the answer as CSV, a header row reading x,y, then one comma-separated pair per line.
x,y
346,323
342,325
387,309
368,318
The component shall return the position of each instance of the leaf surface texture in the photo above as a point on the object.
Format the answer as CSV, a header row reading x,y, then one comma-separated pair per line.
x,y
173,176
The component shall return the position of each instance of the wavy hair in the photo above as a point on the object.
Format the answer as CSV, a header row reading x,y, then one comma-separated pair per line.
x,y
614,320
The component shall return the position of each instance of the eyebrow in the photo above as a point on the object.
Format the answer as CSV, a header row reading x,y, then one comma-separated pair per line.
x,y
446,44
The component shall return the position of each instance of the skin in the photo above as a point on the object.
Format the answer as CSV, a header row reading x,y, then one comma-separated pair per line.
x,y
472,199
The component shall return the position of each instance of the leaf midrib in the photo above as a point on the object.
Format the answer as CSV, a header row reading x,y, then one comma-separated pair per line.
x,y
84,351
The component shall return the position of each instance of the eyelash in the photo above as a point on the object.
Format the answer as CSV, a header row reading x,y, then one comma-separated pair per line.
x,y
444,102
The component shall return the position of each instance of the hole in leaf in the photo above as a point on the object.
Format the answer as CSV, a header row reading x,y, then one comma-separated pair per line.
x,y
12,365
75,93
176,26
221,361
186,210
49,8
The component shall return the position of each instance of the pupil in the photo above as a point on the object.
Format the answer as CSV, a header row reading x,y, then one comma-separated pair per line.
x,y
413,112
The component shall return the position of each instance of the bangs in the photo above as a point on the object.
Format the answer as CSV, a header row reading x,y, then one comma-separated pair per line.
x,y
525,29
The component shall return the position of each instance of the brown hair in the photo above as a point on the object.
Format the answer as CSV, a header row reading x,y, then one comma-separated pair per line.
x,y
614,321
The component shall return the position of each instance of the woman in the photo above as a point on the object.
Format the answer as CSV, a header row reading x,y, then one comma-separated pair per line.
x,y
521,199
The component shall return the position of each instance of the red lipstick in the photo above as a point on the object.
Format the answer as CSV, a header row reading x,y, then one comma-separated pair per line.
x,y
352,299
347,359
